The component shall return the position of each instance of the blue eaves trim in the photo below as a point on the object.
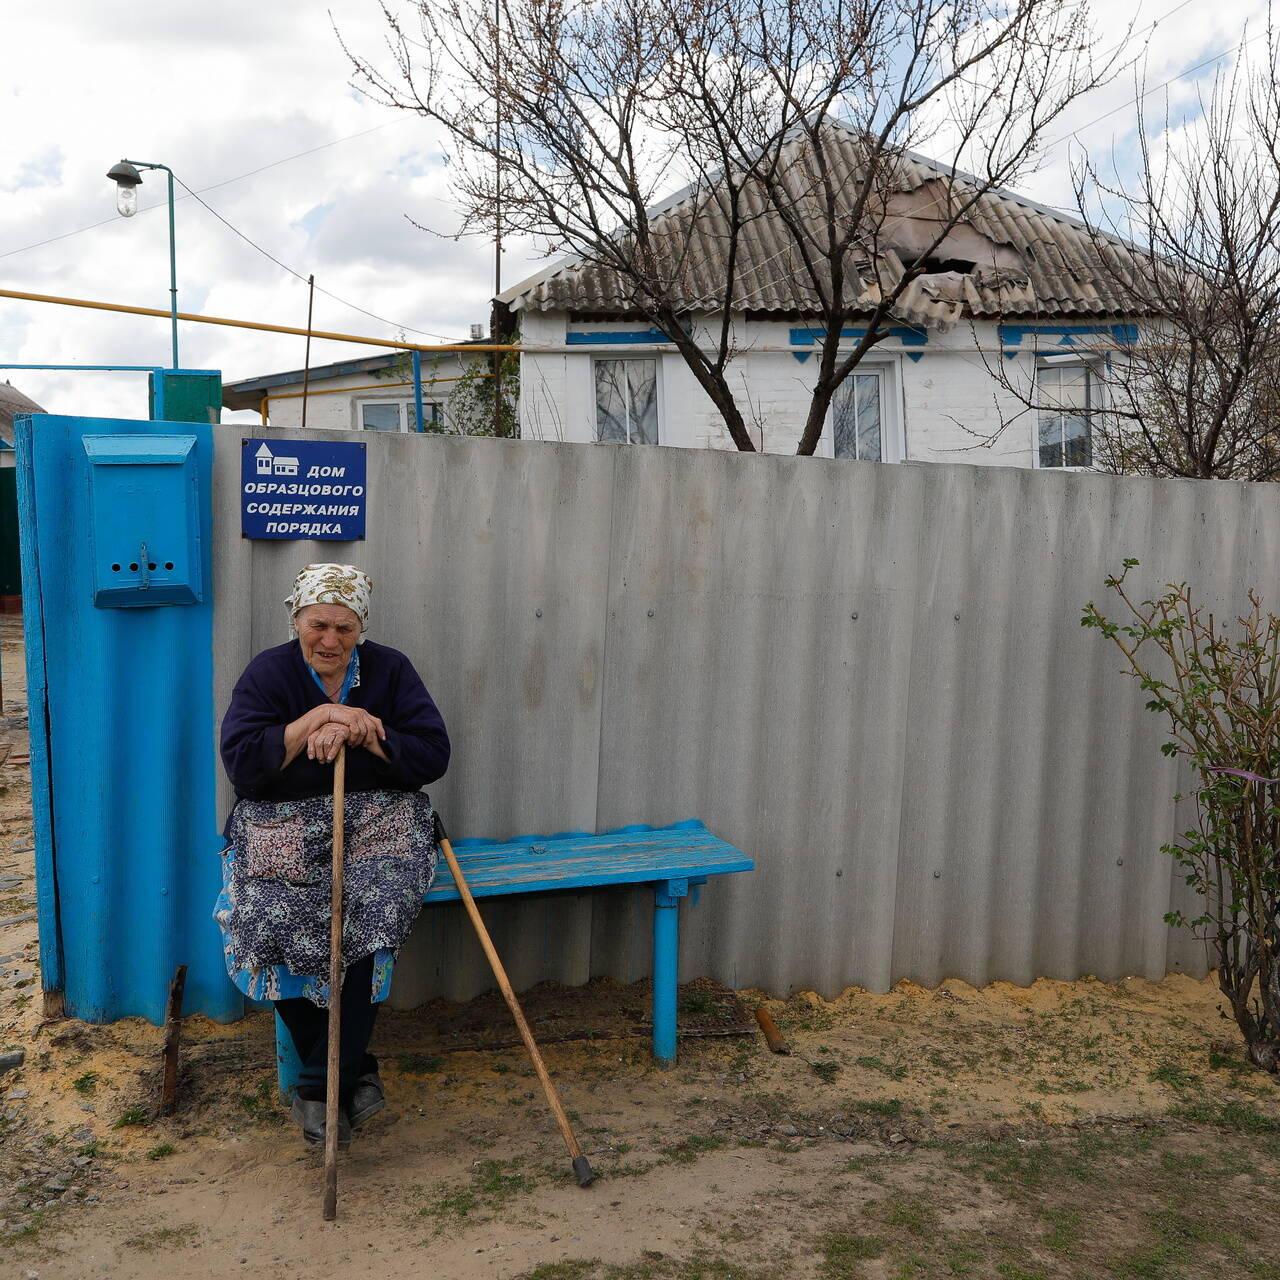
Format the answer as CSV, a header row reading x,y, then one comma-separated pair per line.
x,y
809,337
1010,336
613,337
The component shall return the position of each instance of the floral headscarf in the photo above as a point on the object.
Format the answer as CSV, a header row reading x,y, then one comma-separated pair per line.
x,y
332,584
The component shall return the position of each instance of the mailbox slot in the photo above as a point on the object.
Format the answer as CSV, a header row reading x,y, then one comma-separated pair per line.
x,y
145,516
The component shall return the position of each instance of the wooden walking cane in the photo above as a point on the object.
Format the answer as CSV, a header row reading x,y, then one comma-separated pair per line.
x,y
335,994
581,1166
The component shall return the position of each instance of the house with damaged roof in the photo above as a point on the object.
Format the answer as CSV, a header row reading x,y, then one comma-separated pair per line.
x,y
995,350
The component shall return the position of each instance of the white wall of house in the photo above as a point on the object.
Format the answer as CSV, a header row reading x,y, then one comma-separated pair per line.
x,y
939,400
337,402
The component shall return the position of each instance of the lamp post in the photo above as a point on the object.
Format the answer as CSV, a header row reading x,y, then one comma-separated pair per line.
x,y
126,177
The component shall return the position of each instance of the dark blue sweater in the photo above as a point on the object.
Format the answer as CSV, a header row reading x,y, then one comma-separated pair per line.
x,y
276,688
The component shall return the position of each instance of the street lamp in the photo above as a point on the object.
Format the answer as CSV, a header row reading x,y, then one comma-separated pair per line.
x,y
127,179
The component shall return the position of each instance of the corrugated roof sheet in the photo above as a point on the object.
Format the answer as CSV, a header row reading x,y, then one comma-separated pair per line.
x,y
12,403
1036,261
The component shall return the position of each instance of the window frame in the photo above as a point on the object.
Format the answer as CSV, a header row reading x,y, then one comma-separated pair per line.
x,y
893,443
1095,397
433,408
659,403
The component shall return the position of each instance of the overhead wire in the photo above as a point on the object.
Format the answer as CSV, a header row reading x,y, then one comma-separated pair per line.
x,y
284,266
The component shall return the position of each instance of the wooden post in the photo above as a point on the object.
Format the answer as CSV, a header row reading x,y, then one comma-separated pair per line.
x,y
172,1031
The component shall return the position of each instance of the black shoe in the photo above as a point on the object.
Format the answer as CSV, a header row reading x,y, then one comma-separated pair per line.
x,y
309,1114
368,1099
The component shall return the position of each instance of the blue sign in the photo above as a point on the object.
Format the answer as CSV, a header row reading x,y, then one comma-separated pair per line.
x,y
302,489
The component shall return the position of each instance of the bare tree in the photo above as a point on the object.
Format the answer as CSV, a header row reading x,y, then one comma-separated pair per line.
x,y
1189,249
569,117
1198,394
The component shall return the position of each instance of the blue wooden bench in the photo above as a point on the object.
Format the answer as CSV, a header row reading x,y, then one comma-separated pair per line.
x,y
674,860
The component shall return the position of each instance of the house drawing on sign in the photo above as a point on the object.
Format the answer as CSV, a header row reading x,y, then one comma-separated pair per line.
x,y
1015,308
268,464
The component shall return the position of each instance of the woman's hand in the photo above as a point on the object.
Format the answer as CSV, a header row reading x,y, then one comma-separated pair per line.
x,y
363,728
359,729
324,743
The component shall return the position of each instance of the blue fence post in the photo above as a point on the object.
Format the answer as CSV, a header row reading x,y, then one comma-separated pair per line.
x,y
417,390
288,1064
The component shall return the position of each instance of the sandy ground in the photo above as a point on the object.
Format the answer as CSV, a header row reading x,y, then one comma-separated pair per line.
x,y
1065,1129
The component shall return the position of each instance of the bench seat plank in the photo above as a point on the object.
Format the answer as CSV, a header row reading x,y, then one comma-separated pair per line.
x,y
536,864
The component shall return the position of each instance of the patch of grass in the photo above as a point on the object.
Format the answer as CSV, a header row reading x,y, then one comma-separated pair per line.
x,y
421,1064
889,1108
1174,1076
697,1004
825,1071
695,1145
163,1238
913,1214
894,1070
263,1103
1236,1117
86,1083
131,1117
842,1250
96,1147
159,1153
493,1183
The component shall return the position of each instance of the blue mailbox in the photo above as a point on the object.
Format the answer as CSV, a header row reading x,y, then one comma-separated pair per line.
x,y
144,509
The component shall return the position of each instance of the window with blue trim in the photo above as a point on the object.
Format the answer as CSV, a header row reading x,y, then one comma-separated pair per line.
x,y
1067,399
627,401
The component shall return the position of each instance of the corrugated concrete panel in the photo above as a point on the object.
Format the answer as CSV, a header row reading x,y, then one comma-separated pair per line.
x,y
772,645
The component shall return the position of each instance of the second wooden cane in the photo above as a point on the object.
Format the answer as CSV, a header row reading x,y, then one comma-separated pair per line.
x,y
335,995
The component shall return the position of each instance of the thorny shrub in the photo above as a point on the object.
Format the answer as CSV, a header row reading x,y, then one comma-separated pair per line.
x,y
1219,687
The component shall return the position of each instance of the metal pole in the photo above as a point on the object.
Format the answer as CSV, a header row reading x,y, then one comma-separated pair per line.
x,y
173,271
470,348
306,360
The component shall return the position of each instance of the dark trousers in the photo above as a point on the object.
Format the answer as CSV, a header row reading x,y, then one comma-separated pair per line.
x,y
309,1027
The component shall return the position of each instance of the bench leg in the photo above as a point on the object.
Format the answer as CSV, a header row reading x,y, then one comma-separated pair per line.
x,y
288,1064
666,964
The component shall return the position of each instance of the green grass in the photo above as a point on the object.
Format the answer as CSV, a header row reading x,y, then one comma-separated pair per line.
x,y
689,1149
894,1070
131,1117
493,1184
843,1250
86,1083
1174,1076
162,1238
159,1153
421,1064
1235,1117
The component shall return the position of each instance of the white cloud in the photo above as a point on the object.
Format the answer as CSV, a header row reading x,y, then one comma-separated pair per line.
x,y
213,91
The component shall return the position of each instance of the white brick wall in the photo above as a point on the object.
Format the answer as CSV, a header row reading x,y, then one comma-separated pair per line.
x,y
328,406
939,408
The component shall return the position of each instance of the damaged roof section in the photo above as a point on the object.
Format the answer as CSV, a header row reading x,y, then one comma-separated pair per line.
x,y
1007,256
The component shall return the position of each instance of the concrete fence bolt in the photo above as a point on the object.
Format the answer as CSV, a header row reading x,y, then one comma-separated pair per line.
x,y
957,617
651,613
937,875
537,613
853,617
1119,862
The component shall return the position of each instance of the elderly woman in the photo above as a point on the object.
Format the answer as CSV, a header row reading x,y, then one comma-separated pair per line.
x,y
292,709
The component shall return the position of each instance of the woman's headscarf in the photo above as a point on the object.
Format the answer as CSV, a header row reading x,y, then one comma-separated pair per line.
x,y
332,584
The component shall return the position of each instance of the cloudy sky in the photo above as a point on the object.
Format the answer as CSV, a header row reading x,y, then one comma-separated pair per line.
x,y
249,102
